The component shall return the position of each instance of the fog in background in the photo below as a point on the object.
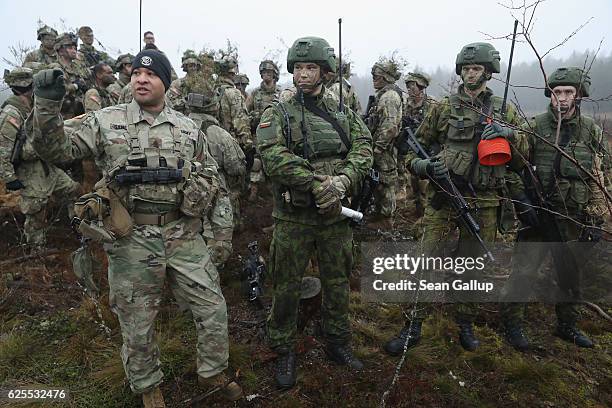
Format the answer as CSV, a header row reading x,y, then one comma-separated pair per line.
x,y
427,35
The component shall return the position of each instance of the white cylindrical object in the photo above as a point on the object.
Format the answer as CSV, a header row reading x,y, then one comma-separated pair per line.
x,y
352,214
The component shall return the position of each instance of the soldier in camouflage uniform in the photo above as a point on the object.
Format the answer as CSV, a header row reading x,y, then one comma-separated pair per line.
x,y
98,96
123,67
242,81
46,54
177,94
450,131
384,121
87,52
416,105
76,75
36,179
154,229
314,168
258,101
569,193
349,96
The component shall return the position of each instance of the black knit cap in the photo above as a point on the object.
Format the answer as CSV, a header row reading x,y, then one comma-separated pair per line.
x,y
157,62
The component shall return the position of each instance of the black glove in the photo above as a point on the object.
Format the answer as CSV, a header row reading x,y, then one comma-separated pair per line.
x,y
81,85
49,84
14,185
525,211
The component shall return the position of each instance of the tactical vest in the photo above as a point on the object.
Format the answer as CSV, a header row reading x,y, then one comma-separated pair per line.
x,y
155,198
460,152
564,184
262,99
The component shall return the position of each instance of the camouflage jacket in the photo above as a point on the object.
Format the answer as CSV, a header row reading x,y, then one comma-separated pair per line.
x,y
349,97
90,56
565,187
41,56
78,79
176,94
259,100
116,87
452,133
98,98
415,111
126,94
13,115
282,146
233,115
111,134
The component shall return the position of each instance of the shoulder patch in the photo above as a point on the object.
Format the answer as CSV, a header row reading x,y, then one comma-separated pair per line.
x,y
94,97
264,125
14,121
117,126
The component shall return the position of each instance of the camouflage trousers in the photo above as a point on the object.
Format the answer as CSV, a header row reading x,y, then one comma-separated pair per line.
x,y
41,183
384,197
292,247
138,266
234,194
438,225
570,261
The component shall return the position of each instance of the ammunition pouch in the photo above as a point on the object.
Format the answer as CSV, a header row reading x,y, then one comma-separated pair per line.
x,y
196,100
199,191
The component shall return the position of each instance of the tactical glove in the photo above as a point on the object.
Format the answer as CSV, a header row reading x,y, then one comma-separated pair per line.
x,y
525,211
329,192
49,84
426,168
14,185
494,130
81,85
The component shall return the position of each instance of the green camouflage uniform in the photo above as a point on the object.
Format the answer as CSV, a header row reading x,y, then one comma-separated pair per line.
x,y
140,262
89,56
77,77
456,137
384,122
126,94
233,114
42,55
572,195
98,98
349,97
300,231
41,179
259,100
116,88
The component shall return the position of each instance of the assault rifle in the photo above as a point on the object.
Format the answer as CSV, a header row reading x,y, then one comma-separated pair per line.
x,y
366,116
20,141
364,199
161,175
457,201
253,275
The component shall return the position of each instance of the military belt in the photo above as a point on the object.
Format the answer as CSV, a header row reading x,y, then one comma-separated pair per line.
x,y
156,219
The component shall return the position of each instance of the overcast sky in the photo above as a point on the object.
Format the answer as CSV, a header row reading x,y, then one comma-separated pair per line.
x,y
425,33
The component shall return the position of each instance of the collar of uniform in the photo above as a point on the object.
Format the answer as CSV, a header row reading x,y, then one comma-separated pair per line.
x,y
227,81
45,51
268,89
135,115
384,89
88,48
480,98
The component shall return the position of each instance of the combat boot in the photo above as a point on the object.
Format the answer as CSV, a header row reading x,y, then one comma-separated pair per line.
x,y
284,369
569,332
153,399
516,338
411,331
230,389
466,337
343,355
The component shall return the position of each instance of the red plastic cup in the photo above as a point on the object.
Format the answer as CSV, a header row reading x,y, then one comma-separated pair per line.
x,y
494,152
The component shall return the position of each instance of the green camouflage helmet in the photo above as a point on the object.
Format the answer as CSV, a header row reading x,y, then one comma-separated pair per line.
x,y
84,31
190,57
269,65
573,76
479,53
21,77
388,69
420,78
311,49
66,39
122,60
45,30
241,79
228,64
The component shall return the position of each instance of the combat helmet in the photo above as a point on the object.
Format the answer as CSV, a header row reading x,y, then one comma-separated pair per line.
x,y
20,77
311,49
479,53
227,64
190,57
64,40
122,60
388,69
420,78
573,76
241,79
270,65
45,30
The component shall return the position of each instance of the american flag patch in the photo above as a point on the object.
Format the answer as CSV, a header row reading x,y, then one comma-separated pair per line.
x,y
13,121
264,125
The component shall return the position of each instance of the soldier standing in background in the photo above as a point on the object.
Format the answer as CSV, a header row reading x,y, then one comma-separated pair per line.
x,y
21,168
123,67
348,93
242,81
76,75
98,96
46,54
177,94
87,52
